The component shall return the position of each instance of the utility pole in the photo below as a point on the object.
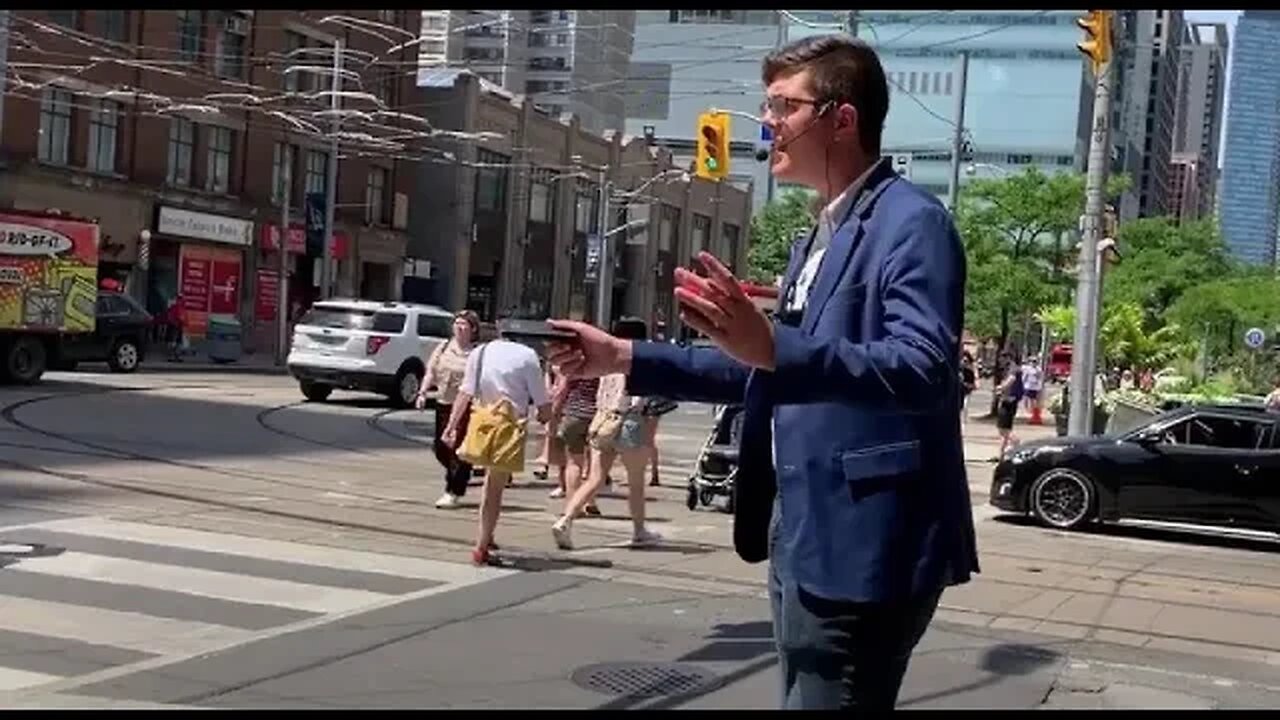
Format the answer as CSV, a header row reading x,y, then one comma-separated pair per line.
x,y
282,247
771,187
1085,349
604,275
851,23
4,56
331,192
957,144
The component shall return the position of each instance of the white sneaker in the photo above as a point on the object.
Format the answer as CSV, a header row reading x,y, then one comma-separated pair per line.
x,y
447,501
562,531
556,494
645,538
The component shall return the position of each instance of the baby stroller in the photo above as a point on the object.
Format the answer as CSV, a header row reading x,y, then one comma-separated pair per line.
x,y
716,469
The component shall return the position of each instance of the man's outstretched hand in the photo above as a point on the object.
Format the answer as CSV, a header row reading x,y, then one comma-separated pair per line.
x,y
717,307
594,353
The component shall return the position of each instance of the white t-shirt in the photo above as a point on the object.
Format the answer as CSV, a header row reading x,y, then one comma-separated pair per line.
x,y
511,370
1031,377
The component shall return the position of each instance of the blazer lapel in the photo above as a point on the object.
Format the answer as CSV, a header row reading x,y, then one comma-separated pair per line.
x,y
799,250
843,242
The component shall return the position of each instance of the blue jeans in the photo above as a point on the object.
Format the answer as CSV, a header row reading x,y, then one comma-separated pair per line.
x,y
838,654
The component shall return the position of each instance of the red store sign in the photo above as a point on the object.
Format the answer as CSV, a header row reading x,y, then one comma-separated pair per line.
x,y
296,240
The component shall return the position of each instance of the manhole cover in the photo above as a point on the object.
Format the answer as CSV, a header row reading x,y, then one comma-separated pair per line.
x,y
641,679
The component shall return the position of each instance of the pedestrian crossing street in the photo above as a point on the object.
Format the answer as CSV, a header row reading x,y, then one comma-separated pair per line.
x,y
83,596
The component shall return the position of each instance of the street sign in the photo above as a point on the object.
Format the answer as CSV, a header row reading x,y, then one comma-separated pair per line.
x,y
1254,338
592,270
314,207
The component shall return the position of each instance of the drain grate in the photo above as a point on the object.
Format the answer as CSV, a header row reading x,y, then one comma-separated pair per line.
x,y
643,679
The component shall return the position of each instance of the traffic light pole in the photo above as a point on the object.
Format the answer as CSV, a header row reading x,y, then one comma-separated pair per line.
x,y
1085,349
957,145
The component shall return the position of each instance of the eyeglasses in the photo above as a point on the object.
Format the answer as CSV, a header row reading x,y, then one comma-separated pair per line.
x,y
781,106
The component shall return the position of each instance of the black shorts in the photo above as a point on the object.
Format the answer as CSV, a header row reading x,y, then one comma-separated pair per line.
x,y
1005,414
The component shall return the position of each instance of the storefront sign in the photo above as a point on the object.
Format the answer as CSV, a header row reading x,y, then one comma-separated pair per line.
x,y
296,240
209,284
267,297
203,226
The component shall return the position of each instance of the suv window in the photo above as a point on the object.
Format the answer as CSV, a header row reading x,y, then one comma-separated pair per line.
x,y
435,326
353,319
1221,432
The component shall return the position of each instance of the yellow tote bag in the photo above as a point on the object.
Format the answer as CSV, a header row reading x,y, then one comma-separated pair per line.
x,y
496,435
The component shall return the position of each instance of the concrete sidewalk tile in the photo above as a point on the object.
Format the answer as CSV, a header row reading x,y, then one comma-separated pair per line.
x,y
1209,649
1018,624
986,596
1124,696
1043,605
959,616
1215,625
1121,637
1062,630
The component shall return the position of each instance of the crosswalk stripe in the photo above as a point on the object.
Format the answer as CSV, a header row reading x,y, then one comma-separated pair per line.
x,y
14,679
130,631
195,581
446,572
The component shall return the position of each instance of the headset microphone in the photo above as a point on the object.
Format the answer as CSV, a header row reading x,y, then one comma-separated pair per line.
x,y
762,155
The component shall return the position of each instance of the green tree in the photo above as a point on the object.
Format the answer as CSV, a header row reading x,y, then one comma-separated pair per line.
x,y
1220,311
773,230
1016,231
1162,260
1124,338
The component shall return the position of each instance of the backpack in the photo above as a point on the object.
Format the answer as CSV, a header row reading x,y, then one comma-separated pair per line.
x,y
1017,389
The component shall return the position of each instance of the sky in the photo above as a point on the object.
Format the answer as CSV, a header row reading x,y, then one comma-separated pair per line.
x,y
1219,16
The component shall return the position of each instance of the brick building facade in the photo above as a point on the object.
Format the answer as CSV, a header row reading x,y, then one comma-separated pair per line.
x,y
158,123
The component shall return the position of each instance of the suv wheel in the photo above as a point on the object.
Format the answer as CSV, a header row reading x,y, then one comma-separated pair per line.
x,y
406,387
124,356
315,392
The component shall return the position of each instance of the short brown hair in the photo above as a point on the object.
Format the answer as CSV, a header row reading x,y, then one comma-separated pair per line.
x,y
845,70
471,318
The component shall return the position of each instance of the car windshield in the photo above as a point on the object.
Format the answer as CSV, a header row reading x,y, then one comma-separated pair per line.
x,y
1217,431
340,318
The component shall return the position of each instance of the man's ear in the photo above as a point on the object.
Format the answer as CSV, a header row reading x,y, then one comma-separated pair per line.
x,y
847,118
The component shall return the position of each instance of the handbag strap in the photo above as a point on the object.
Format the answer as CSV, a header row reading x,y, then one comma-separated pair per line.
x,y
480,367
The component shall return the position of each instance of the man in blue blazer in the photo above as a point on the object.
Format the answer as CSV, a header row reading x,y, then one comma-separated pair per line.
x,y
851,476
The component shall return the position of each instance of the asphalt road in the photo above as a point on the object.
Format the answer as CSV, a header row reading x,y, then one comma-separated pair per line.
x,y
209,540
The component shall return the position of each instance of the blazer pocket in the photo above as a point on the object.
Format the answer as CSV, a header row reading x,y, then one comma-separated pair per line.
x,y
881,461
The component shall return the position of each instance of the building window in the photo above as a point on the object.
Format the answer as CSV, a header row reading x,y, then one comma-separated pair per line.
x,y
229,56
55,126
66,18
585,209
282,157
182,143
218,177
948,84
104,123
701,234
433,47
491,181
729,238
296,81
435,22
388,17
667,228
937,83
911,82
542,201
190,32
375,197
115,25
317,172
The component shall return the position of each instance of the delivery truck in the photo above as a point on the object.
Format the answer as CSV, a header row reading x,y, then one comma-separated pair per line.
x,y
48,288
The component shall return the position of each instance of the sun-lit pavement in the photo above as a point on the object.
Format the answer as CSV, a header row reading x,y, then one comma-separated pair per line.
x,y
283,551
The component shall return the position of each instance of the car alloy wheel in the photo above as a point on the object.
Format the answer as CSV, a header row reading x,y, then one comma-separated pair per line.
x,y
1062,498
127,357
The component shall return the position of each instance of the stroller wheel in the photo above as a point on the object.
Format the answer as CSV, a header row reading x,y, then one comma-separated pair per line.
x,y
707,497
728,505
692,499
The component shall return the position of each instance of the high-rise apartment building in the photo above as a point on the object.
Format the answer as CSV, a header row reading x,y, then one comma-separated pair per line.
x,y
1149,46
565,60
1251,158
1202,85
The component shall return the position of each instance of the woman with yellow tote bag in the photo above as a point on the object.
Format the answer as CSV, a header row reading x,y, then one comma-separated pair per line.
x,y
502,380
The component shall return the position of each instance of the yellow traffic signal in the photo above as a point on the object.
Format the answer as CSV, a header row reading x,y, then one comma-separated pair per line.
x,y
713,146
1097,45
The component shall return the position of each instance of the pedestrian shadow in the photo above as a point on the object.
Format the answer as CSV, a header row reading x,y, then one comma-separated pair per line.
x,y
537,562
1000,662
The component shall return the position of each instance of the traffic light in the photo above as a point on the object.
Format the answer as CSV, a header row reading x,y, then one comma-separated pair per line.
x,y
713,146
1097,45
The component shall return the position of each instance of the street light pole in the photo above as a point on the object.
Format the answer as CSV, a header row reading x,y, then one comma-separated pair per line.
x,y
1085,350
282,245
331,193
604,276
957,143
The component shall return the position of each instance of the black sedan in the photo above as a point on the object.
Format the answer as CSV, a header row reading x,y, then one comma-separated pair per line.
x,y
1213,465
119,336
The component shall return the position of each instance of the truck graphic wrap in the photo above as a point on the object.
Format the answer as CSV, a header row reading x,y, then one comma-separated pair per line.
x,y
48,273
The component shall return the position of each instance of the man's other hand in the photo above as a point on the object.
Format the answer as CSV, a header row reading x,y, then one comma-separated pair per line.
x,y
594,353
717,307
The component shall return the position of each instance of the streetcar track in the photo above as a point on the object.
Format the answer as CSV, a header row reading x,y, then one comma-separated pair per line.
x,y
261,419
9,414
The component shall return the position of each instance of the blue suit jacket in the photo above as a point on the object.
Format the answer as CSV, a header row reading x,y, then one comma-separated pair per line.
x,y
869,500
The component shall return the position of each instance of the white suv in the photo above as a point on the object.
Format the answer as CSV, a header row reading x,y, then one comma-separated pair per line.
x,y
366,345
